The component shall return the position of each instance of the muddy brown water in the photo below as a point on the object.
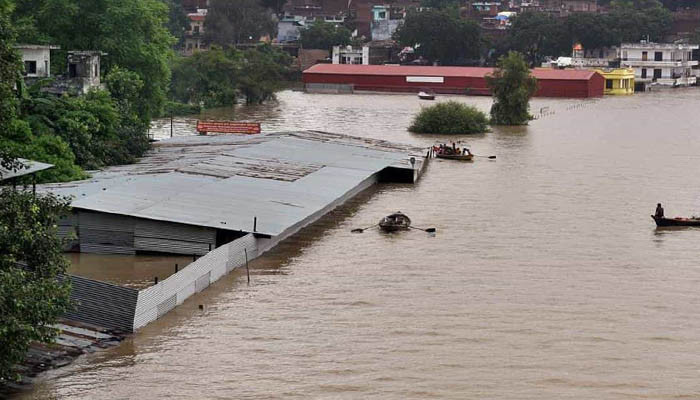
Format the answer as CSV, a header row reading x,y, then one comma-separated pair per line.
x,y
546,279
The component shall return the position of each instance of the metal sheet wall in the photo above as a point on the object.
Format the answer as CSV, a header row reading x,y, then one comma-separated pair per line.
x,y
104,233
102,304
168,237
155,301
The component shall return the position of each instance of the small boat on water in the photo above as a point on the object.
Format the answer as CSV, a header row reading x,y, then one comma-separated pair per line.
x,y
395,222
459,157
678,221
426,95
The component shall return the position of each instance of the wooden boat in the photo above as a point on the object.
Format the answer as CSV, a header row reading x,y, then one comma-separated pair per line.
x,y
459,157
395,222
678,221
425,95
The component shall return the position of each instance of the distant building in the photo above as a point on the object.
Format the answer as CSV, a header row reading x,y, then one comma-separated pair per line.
x,y
603,57
36,59
289,28
194,36
666,64
618,81
351,55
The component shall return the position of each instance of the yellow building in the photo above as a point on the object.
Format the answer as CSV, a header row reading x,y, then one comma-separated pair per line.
x,y
618,80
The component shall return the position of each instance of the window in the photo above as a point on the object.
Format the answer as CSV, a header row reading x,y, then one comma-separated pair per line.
x,y
644,73
608,83
72,70
30,67
196,29
382,15
657,73
658,56
644,55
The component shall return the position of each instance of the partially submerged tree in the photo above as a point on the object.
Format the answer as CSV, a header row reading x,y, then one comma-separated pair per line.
x,y
512,86
450,117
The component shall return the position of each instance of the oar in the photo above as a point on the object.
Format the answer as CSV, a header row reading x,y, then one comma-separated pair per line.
x,y
429,230
360,230
489,157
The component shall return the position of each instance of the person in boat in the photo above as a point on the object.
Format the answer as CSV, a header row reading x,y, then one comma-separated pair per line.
x,y
659,211
465,152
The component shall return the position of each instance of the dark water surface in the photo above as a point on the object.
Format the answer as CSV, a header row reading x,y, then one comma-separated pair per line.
x,y
546,279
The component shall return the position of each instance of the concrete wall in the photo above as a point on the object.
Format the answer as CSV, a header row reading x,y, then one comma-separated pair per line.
x,y
157,300
42,57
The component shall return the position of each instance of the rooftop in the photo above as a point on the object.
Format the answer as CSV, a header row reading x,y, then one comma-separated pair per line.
x,y
460,72
30,167
661,46
225,181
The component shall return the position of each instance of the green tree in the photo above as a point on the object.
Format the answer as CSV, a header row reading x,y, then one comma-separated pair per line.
x,y
441,36
324,35
635,20
242,21
512,86
264,69
132,32
32,296
593,31
178,22
450,117
207,77
538,35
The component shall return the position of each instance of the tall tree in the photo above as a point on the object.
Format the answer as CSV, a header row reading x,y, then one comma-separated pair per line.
x,y
512,86
441,36
230,22
31,296
538,35
324,35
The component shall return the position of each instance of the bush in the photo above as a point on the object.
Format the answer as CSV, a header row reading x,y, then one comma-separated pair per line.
x,y
450,118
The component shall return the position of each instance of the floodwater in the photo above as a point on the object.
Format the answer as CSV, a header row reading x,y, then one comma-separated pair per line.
x,y
546,279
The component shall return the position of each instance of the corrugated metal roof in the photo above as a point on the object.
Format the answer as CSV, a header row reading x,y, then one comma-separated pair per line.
x,y
225,181
30,168
456,72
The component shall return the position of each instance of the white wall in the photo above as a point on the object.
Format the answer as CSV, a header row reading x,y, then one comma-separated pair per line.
x,y
42,57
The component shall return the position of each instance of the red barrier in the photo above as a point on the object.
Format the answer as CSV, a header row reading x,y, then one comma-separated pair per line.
x,y
247,128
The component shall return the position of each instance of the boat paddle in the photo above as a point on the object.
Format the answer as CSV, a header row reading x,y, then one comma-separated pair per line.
x,y
360,230
429,230
489,157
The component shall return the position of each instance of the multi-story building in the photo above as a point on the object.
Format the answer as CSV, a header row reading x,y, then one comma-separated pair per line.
x,y
662,63
194,36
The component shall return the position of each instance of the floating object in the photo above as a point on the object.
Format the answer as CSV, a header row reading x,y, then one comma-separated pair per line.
x,y
230,127
489,157
426,95
678,221
459,157
395,222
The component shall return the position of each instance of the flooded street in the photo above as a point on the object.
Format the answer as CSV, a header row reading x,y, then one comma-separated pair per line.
x,y
547,279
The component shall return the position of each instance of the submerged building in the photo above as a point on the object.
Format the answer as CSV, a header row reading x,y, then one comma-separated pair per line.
x,y
222,200
667,64
448,80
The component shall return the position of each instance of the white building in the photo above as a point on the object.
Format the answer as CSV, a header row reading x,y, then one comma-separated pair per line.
x,y
36,59
194,36
664,63
351,55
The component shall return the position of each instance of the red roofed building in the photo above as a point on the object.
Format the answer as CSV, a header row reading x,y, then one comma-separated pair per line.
x,y
447,80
